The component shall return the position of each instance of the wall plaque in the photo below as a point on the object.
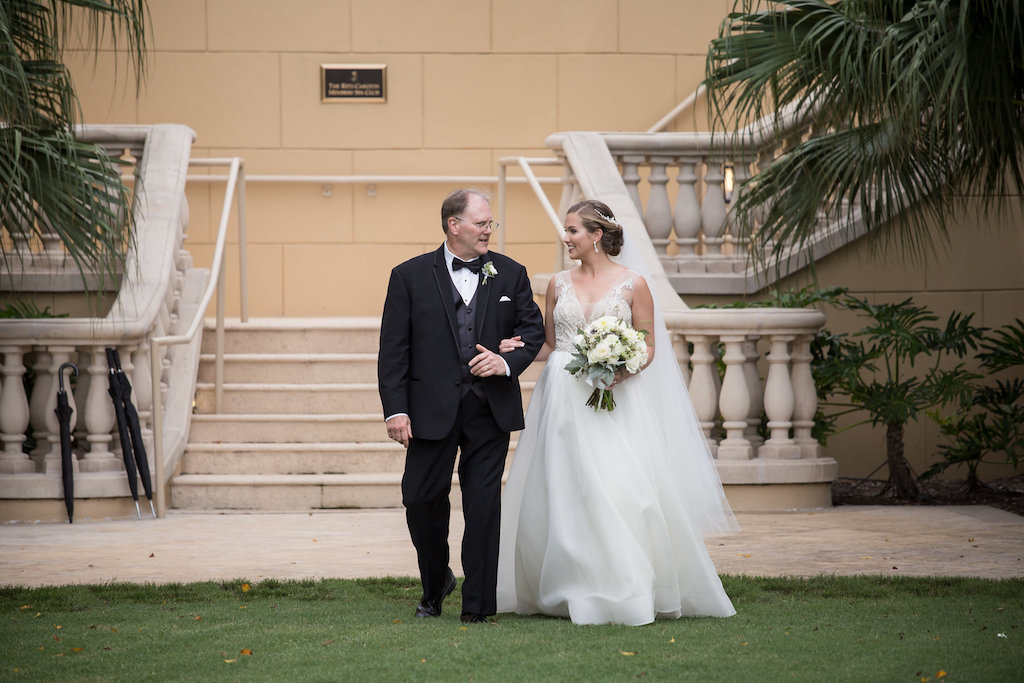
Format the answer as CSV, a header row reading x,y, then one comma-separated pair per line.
x,y
353,83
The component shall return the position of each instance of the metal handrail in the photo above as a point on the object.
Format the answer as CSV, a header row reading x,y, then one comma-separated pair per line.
x,y
236,177
678,109
524,164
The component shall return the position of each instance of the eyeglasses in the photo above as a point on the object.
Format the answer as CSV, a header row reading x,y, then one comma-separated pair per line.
x,y
482,225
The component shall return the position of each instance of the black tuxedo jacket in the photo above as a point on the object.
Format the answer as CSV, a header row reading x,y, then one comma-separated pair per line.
x,y
418,370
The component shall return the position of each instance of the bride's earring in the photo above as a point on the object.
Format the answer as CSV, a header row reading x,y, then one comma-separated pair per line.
x,y
595,247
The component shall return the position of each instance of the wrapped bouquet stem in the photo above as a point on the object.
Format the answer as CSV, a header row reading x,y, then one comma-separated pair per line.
x,y
605,346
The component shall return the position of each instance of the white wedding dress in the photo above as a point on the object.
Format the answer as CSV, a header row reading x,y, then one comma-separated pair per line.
x,y
604,513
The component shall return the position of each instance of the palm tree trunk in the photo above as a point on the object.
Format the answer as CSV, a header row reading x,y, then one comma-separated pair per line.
x,y
901,479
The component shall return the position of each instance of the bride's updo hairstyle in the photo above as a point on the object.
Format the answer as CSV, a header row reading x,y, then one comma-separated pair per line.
x,y
595,216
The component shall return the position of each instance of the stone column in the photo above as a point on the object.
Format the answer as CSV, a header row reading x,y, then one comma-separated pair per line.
x,y
14,412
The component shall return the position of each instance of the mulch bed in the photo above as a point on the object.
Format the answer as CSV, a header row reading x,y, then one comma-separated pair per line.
x,y
1006,494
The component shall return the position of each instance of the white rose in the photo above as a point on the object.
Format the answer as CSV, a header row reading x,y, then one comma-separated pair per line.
x,y
601,353
633,363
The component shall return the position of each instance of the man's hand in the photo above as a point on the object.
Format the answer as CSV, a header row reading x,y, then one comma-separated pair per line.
x,y
487,363
400,429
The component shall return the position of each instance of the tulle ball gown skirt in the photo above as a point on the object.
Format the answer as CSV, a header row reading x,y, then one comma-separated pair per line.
x,y
595,524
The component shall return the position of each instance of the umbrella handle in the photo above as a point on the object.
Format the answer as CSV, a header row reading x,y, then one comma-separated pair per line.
x,y
60,372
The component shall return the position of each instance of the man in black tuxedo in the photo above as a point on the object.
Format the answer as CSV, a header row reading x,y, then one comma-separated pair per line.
x,y
445,388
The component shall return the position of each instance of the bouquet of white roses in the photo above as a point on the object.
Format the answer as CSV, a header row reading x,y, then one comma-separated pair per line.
x,y
606,345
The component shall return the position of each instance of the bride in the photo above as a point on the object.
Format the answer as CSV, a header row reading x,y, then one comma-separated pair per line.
x,y
604,512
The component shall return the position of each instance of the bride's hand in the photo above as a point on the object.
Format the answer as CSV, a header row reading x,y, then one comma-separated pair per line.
x,y
509,345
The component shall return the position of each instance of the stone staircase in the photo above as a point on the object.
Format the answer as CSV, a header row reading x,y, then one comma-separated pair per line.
x,y
300,426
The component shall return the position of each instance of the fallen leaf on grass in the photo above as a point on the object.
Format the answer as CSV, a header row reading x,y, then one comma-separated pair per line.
x,y
246,651
628,654
672,641
327,642
77,649
198,618
940,674
246,587
230,661
25,607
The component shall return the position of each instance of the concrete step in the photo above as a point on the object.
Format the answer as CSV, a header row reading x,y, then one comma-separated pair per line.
x,y
284,368
306,368
290,398
293,458
299,398
288,428
285,492
297,335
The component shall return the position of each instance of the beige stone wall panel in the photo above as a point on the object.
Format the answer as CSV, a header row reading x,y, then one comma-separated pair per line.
x,y
563,26
690,71
342,289
274,26
178,25
670,26
230,100
422,26
984,253
399,215
614,92
265,279
271,219
307,122
489,100
105,89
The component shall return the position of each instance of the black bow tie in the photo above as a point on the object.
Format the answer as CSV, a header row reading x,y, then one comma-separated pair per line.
x,y
474,266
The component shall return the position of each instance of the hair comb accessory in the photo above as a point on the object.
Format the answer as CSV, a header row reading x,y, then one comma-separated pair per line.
x,y
607,219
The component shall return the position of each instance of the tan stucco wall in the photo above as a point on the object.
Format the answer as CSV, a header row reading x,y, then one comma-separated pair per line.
x,y
469,81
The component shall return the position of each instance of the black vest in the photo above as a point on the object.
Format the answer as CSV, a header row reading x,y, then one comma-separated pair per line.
x,y
465,322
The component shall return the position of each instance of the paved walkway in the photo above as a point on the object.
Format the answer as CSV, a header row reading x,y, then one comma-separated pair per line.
x,y
196,546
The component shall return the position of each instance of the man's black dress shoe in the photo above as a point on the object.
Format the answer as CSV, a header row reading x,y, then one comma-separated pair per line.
x,y
432,608
470,618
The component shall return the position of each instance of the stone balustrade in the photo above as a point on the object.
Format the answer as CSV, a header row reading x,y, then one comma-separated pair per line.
x,y
144,306
749,344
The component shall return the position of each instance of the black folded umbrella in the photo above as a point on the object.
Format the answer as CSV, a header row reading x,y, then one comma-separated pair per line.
x,y
133,450
67,466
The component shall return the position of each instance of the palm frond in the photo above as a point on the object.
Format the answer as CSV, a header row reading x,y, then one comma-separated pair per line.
x,y
917,108
50,181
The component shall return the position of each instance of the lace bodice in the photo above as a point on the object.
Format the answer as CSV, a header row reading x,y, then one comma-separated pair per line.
x,y
571,314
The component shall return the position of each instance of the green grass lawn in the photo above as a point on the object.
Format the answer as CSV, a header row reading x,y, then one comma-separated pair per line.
x,y
821,629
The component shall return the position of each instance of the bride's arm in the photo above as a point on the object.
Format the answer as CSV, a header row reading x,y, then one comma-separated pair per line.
x,y
642,310
507,345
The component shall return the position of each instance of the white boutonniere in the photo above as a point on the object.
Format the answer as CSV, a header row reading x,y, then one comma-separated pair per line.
x,y
488,271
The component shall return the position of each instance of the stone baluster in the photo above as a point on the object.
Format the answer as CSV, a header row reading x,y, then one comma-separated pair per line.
x,y
50,462
740,234
734,401
682,351
687,216
631,177
703,385
764,159
658,218
754,390
713,212
81,393
14,412
805,397
52,253
99,417
42,368
142,390
778,402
